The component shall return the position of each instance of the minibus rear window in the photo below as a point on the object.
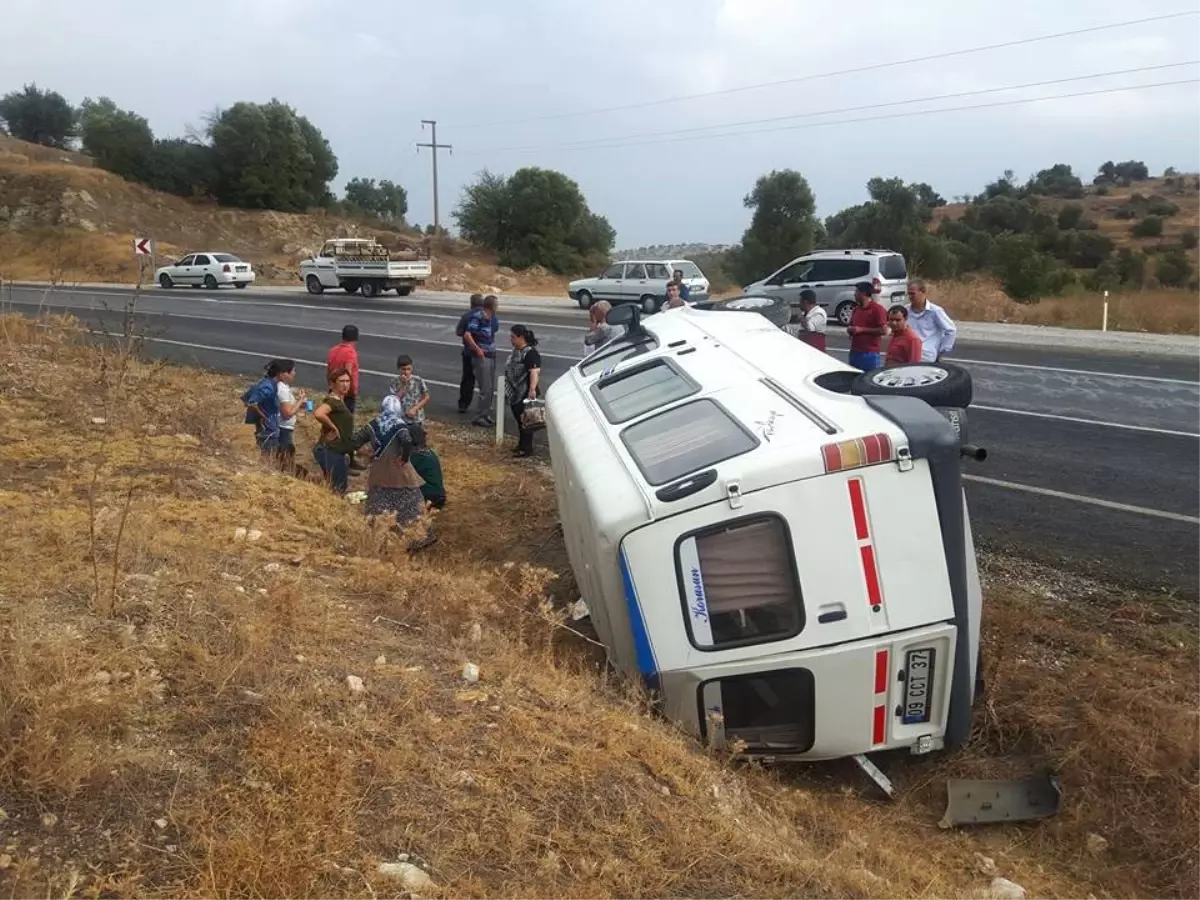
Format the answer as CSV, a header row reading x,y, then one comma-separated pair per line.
x,y
739,584
685,439
622,349
631,392
764,710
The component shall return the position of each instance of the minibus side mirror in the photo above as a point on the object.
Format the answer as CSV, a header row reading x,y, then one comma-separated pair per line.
x,y
626,314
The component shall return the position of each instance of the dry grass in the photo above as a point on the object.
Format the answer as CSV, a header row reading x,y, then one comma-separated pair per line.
x,y
174,701
1159,311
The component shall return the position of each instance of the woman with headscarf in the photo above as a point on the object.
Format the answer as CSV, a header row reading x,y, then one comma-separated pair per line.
x,y
521,378
393,485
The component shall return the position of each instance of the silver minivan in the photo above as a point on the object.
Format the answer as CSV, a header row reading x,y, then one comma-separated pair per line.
x,y
638,281
833,275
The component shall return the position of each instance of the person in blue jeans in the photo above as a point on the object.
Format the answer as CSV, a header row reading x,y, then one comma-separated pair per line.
x,y
868,325
333,450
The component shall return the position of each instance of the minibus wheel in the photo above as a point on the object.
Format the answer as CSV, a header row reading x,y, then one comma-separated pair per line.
x,y
938,384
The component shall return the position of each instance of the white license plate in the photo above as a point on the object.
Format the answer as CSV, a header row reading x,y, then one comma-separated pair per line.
x,y
918,685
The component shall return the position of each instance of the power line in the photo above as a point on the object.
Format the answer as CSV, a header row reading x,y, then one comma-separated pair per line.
x,y
620,139
874,118
833,74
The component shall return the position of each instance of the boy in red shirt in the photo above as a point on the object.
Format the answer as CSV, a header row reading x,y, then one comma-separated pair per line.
x,y
905,344
868,325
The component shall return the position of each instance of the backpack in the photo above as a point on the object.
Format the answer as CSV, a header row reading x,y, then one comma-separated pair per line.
x,y
254,397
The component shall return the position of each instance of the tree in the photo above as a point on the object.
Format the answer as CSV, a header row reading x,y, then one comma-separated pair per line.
x,y
1004,186
181,167
41,117
782,227
1173,268
1026,273
118,140
535,217
386,200
1116,173
1057,181
895,217
266,156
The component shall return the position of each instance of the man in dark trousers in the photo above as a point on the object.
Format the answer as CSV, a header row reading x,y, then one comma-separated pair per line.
x,y
868,325
466,384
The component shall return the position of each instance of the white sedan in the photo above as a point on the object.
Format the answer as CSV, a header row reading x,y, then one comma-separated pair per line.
x,y
208,269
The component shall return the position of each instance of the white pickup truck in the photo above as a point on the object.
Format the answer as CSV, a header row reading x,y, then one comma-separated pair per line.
x,y
362,264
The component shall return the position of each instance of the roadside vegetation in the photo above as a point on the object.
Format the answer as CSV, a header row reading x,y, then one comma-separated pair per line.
x,y
178,628
1050,235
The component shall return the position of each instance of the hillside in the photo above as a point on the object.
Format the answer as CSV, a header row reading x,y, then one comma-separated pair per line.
x,y
63,219
1117,209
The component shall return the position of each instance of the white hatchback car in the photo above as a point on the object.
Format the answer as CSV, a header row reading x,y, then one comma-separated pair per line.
x,y
207,269
832,275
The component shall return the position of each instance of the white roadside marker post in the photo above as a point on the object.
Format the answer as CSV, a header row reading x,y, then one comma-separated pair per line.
x,y
499,409
1104,322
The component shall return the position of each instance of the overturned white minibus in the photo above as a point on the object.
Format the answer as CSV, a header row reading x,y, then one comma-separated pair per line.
x,y
787,562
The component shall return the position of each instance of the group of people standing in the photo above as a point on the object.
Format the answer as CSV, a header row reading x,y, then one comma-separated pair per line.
x,y
919,332
477,328
404,475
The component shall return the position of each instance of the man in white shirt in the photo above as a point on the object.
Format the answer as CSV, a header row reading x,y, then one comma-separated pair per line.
x,y
810,325
935,329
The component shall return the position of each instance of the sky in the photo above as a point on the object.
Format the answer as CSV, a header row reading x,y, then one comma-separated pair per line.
x,y
535,82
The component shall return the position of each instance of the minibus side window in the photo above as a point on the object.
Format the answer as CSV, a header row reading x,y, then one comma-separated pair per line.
x,y
685,438
739,584
631,392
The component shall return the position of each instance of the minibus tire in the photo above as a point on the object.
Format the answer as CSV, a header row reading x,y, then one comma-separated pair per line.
x,y
944,384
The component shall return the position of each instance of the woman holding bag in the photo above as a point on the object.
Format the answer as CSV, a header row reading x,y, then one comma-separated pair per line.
x,y
521,377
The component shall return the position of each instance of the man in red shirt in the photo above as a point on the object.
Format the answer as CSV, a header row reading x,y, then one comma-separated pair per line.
x,y
905,344
345,356
868,325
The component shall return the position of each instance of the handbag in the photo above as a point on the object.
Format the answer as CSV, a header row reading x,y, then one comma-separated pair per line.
x,y
533,415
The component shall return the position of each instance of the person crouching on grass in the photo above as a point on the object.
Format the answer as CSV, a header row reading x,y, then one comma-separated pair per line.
x,y
429,467
521,377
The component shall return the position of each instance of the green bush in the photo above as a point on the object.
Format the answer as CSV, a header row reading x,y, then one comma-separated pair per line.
x,y
1189,239
1070,216
1173,268
1131,267
1151,226
1025,273
1100,190
1161,206
1085,249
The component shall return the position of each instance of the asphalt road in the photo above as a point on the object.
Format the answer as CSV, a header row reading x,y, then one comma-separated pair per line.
x,y
1093,460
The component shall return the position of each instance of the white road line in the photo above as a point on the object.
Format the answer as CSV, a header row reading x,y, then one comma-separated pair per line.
x,y
386,337
572,360
1081,421
1079,498
840,350
959,360
994,482
260,356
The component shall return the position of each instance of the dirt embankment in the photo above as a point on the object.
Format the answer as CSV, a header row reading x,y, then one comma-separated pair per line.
x,y
63,219
178,717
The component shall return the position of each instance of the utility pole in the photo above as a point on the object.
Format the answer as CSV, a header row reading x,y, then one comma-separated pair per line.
x,y
435,147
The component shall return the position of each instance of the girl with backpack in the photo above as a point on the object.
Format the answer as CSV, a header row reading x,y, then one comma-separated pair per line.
x,y
261,400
